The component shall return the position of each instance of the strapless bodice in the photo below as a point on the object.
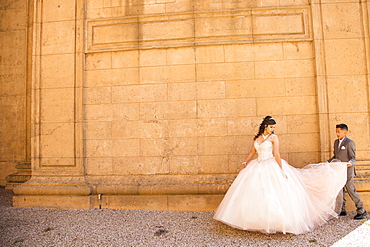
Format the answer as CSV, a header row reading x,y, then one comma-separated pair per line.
x,y
264,150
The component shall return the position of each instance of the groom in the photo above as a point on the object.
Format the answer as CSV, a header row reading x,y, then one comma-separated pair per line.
x,y
345,151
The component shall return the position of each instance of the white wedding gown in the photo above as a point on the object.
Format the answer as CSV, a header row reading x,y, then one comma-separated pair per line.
x,y
265,198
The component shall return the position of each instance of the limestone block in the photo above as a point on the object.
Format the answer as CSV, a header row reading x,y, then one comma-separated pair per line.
x,y
127,147
254,52
339,1
125,59
219,145
301,159
241,107
163,74
139,93
358,125
99,148
230,108
213,164
225,71
216,26
180,56
282,24
154,57
57,71
212,127
105,34
58,202
157,129
134,129
149,9
13,136
100,61
210,54
102,112
155,147
211,90
135,202
10,4
185,164
99,130
181,110
342,20
140,165
300,86
255,88
212,5
194,203
243,125
303,123
57,105
58,37
112,77
341,87
306,142
283,106
174,29
57,140
6,168
182,91
98,95
183,128
267,3
365,197
182,146
298,50
285,68
99,166
177,5
168,110
9,84
294,2
236,161
58,10
127,129
126,111
345,57
212,108
18,17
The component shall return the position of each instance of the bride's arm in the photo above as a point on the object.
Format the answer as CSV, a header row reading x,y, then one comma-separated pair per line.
x,y
250,156
276,151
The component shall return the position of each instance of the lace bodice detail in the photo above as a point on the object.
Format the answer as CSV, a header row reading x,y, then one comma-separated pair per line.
x,y
264,150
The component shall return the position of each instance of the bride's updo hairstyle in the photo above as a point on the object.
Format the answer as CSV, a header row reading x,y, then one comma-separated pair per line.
x,y
268,120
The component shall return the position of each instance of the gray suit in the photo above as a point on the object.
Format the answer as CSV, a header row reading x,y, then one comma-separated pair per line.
x,y
346,152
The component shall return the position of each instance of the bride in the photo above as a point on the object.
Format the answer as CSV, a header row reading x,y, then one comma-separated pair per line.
x,y
271,196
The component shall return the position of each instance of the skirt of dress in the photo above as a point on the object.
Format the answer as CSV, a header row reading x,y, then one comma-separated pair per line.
x,y
267,199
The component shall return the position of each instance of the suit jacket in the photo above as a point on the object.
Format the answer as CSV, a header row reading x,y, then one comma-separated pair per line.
x,y
346,152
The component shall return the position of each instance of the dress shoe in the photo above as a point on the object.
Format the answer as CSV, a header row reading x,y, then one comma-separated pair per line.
x,y
360,216
343,213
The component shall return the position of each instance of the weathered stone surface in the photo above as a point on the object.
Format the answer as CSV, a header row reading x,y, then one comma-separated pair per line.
x,y
154,104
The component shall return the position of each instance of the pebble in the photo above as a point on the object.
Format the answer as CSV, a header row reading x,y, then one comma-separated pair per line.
x,y
113,227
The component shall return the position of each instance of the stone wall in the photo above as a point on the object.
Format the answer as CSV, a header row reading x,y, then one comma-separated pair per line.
x,y
154,103
14,87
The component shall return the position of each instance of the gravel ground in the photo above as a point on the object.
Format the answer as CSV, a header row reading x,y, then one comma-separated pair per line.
x,y
108,227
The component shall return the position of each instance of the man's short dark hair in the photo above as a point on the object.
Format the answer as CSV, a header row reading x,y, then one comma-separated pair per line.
x,y
342,126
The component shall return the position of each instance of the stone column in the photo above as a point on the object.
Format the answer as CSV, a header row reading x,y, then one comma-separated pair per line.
x,y
57,135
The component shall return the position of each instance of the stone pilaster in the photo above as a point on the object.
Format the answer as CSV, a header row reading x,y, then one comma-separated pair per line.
x,y
58,175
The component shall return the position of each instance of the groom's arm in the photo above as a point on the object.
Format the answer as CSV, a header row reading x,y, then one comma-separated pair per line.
x,y
352,152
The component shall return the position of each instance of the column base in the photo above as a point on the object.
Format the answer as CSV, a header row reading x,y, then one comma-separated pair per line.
x,y
158,202
52,201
